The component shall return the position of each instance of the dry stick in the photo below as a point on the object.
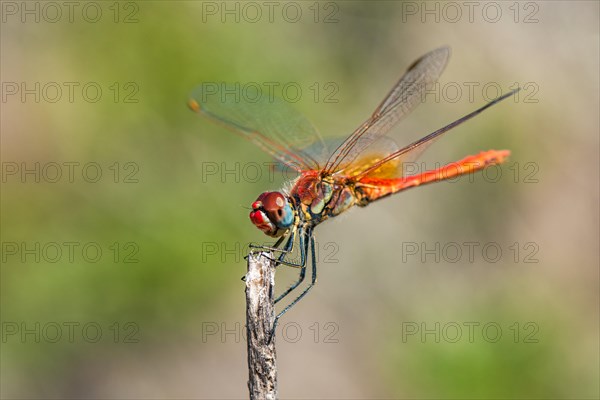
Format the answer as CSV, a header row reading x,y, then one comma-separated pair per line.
x,y
260,315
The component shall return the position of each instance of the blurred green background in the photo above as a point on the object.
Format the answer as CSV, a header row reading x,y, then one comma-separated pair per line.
x,y
159,313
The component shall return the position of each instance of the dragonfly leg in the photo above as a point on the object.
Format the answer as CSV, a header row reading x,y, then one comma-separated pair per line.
x,y
303,252
289,248
274,247
312,283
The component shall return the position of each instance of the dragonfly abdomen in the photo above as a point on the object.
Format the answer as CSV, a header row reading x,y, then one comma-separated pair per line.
x,y
369,189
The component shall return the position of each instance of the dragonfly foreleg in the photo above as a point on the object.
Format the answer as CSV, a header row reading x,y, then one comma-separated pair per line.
x,y
274,247
260,247
289,248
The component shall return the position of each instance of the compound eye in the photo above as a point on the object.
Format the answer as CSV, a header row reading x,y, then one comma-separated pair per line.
x,y
273,204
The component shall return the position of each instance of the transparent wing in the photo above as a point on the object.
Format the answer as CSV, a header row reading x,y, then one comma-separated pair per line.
x,y
371,157
400,101
368,159
413,150
319,151
267,121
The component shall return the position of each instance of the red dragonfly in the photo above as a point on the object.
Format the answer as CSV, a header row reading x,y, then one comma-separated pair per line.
x,y
365,167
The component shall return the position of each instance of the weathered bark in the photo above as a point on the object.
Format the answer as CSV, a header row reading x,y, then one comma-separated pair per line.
x,y
260,315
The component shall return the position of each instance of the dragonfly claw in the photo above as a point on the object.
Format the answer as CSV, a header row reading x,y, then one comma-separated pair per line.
x,y
269,248
272,333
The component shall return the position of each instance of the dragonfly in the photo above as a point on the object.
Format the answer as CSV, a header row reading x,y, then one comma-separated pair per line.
x,y
334,176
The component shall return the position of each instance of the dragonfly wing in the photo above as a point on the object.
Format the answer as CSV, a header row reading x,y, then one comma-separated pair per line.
x,y
372,156
322,150
401,100
269,122
318,151
415,149
376,152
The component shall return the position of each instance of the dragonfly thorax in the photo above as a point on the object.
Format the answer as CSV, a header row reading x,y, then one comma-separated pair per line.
x,y
272,213
320,197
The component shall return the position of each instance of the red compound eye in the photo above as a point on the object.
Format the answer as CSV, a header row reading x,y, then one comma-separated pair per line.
x,y
270,211
273,201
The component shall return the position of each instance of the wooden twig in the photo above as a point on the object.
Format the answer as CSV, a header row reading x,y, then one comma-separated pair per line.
x,y
260,315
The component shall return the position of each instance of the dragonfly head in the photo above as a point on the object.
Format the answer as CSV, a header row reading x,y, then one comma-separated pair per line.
x,y
272,213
